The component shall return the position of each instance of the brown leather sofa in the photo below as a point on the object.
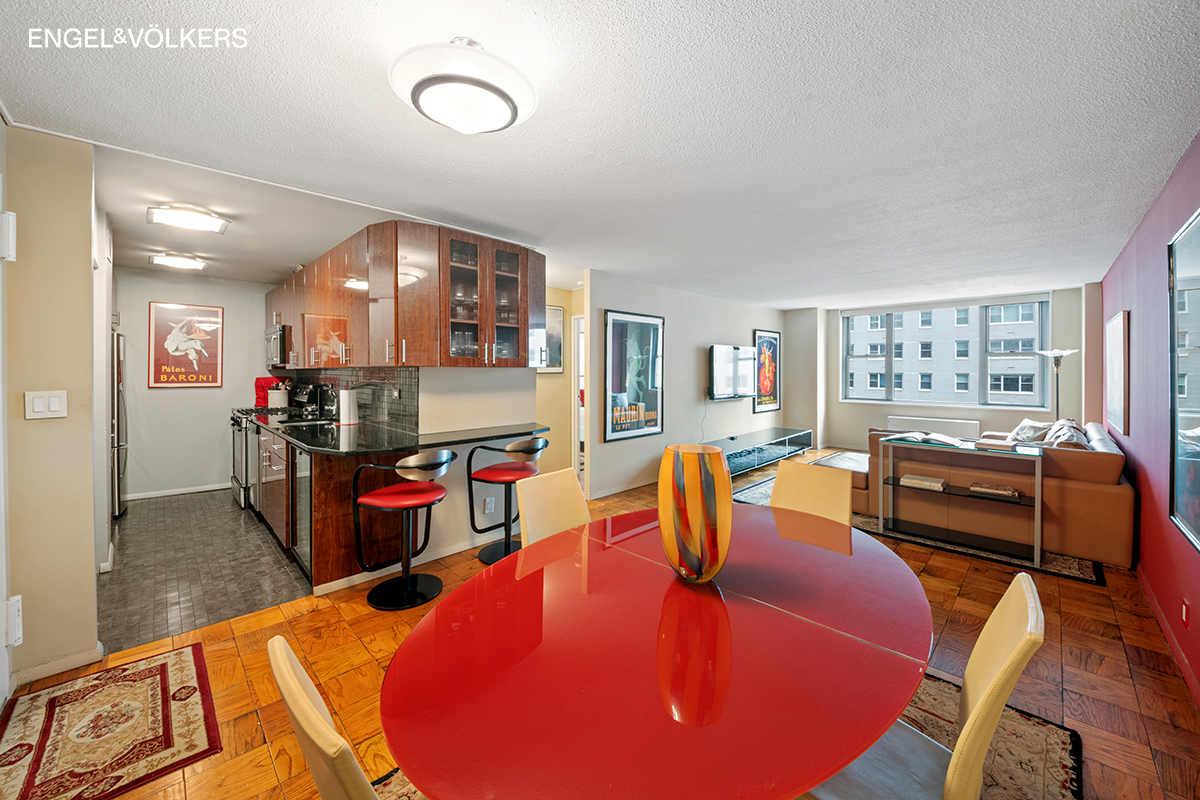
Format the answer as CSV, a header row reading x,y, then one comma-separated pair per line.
x,y
1087,505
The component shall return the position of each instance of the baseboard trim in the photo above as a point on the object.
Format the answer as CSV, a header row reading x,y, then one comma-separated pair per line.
x,y
23,676
1185,667
106,566
169,492
427,556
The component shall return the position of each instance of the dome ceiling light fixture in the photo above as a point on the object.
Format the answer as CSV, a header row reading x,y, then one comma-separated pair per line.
x,y
462,86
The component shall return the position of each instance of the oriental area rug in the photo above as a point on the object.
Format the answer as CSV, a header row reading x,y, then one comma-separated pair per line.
x,y
101,735
1030,758
1078,569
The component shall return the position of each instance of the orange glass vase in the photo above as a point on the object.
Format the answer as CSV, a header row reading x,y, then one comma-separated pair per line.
x,y
695,510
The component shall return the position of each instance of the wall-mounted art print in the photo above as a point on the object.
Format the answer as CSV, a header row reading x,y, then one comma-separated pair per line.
x,y
554,340
766,376
1116,372
325,339
1184,281
633,375
185,345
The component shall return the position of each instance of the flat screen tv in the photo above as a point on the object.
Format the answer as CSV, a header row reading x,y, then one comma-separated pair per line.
x,y
730,371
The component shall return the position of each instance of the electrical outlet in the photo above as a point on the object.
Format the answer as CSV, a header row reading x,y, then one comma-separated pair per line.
x,y
16,632
489,505
1186,609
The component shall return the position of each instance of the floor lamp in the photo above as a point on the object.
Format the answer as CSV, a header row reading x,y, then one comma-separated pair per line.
x,y
1056,357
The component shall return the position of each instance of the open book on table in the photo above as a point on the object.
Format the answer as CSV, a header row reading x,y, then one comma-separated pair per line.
x,y
921,437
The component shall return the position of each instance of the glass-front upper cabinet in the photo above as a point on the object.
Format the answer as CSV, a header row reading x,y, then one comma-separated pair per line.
x,y
464,287
508,306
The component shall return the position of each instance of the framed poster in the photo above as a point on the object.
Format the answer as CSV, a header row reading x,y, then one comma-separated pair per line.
x,y
633,371
554,340
1116,371
766,377
324,337
1184,281
185,345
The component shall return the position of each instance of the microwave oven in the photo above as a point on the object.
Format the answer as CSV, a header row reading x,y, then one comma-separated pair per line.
x,y
277,346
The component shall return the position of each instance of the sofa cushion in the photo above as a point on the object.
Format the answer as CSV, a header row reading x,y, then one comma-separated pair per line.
x,y
1030,431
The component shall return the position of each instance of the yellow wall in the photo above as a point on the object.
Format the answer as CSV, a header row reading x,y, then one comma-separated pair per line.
x,y
554,404
48,307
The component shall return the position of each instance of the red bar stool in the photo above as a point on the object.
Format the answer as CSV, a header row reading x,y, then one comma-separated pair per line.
x,y
523,454
407,590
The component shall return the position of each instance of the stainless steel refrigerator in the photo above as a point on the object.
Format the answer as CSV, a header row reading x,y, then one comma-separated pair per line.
x,y
118,430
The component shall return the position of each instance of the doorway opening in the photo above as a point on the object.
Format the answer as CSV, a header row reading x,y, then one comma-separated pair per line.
x,y
578,428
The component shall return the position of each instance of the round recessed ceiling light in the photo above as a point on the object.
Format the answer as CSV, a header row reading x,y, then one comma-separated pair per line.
x,y
462,86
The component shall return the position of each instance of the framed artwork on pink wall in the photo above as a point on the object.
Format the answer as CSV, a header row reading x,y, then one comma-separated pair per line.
x,y
1116,372
1184,284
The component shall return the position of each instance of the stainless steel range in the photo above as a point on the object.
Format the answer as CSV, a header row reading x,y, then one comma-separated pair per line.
x,y
244,479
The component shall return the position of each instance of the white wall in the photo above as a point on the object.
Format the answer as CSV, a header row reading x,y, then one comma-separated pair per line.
x,y
1092,356
847,421
179,439
692,323
803,368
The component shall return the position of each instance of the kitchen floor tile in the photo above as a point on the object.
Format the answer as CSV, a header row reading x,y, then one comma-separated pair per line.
x,y
191,561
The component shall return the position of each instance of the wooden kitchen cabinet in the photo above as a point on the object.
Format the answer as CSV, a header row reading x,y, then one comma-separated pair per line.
x,y
434,297
274,485
485,302
404,294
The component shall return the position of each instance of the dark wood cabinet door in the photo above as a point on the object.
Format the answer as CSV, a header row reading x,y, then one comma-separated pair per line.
x,y
354,279
508,304
418,294
536,316
274,493
381,294
465,326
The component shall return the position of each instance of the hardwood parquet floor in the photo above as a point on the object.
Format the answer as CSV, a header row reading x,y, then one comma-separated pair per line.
x,y
1104,670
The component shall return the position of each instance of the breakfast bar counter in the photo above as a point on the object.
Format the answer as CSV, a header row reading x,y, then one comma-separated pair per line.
x,y
380,438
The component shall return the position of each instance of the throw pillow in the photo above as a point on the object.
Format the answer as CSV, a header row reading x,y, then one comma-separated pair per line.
x,y
1029,431
1067,433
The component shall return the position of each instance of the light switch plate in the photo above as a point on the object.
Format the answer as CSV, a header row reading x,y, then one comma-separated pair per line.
x,y
45,405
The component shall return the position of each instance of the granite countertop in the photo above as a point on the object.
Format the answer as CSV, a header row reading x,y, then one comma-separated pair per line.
x,y
375,438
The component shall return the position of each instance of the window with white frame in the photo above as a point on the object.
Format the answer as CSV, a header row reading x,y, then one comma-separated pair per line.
x,y
1181,385
850,380
997,346
1012,384
1181,301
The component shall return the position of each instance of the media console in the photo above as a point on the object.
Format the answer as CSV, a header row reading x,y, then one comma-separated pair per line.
x,y
746,451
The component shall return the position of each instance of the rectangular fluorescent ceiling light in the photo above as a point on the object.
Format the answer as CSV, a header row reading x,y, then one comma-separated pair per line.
x,y
355,283
186,218
180,262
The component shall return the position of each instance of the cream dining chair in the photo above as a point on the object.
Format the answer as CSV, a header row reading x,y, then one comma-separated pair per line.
x,y
906,763
823,491
549,503
330,758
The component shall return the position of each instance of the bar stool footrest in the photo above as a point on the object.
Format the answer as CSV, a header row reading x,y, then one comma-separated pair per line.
x,y
399,593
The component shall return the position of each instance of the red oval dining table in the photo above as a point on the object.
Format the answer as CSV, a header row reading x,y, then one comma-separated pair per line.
x,y
582,667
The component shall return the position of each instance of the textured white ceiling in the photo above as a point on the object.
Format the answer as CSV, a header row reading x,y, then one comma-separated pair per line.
x,y
791,154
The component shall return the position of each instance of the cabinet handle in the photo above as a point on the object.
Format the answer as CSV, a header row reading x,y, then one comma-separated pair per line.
x,y
345,354
312,356
493,354
404,351
485,352
387,350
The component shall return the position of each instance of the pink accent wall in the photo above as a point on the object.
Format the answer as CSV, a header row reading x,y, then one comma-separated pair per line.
x,y
1169,566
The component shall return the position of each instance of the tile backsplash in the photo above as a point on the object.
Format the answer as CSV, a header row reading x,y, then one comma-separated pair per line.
x,y
385,394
